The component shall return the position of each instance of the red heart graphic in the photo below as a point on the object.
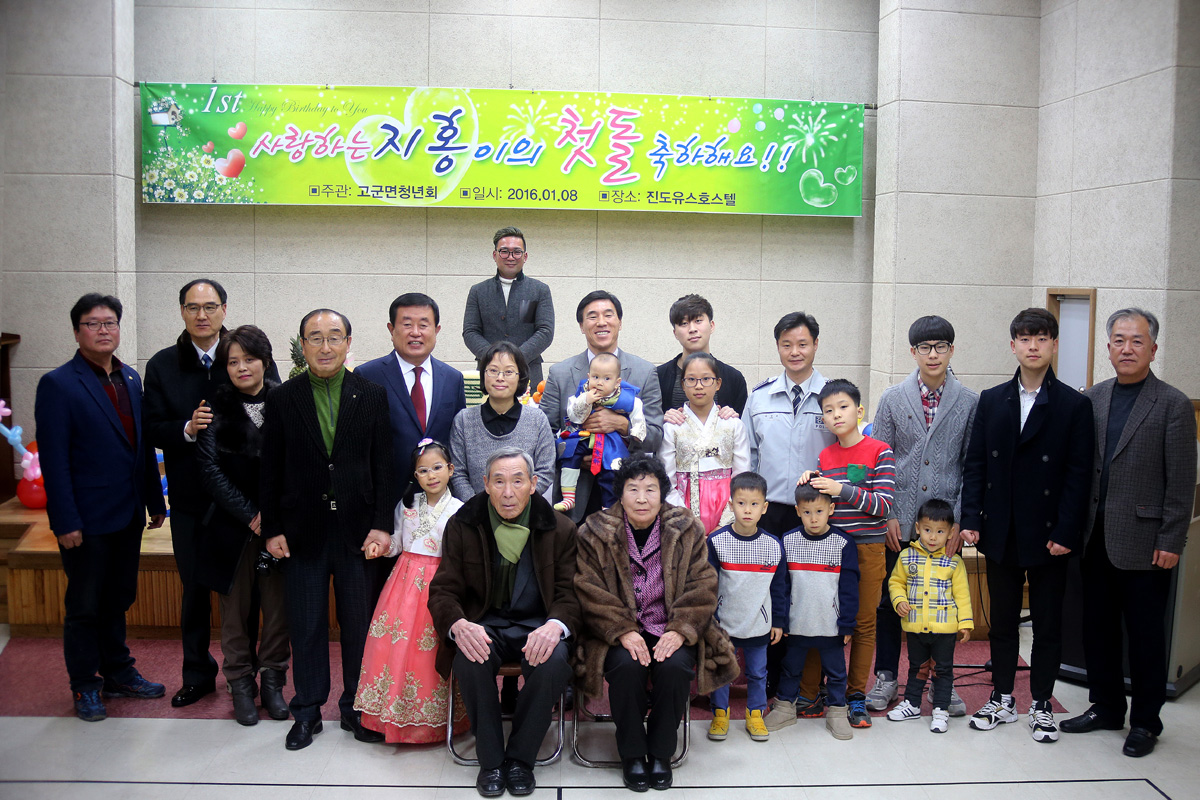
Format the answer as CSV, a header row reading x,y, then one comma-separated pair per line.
x,y
208,148
238,131
232,165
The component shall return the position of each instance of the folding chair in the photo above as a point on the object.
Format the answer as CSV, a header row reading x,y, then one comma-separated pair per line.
x,y
581,710
511,670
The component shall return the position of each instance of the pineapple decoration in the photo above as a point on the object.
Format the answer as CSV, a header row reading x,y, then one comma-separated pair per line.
x,y
299,365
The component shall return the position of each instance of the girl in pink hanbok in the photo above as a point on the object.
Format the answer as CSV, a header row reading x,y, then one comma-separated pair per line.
x,y
705,452
400,693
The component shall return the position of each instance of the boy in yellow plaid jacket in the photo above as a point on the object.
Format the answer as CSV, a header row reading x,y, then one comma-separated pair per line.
x,y
929,589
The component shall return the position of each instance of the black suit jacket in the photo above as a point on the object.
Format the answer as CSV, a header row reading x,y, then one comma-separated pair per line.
x,y
733,384
297,474
1029,485
176,382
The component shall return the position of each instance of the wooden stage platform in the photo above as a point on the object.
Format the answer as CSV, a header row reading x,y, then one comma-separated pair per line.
x,y
36,582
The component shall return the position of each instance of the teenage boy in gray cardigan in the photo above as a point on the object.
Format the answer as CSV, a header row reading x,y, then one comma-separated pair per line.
x,y
926,418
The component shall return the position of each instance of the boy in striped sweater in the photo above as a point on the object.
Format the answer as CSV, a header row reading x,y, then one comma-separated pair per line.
x,y
859,473
751,598
822,584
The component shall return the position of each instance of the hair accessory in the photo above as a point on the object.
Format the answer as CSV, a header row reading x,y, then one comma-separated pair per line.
x,y
424,442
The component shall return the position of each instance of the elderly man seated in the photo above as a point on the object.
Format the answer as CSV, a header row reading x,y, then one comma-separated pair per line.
x,y
504,592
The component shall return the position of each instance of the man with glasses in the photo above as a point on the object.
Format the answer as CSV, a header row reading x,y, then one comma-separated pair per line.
x,y
180,382
926,419
510,305
326,499
101,478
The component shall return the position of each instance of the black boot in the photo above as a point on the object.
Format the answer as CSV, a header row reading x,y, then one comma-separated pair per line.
x,y
244,709
273,681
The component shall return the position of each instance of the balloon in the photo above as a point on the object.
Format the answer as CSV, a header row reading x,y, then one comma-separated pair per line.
x,y
32,494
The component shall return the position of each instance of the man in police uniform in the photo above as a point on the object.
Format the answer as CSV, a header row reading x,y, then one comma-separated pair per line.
x,y
787,434
783,420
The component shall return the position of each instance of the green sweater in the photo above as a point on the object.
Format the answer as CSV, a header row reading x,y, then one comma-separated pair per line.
x,y
327,392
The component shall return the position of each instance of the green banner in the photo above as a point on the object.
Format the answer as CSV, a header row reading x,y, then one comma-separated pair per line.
x,y
498,148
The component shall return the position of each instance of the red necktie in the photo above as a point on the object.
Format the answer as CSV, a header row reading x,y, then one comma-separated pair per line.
x,y
418,397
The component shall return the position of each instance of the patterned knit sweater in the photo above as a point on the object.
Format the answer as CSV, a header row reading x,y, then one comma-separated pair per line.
x,y
867,472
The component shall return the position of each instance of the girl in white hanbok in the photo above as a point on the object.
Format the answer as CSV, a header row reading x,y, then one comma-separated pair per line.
x,y
705,452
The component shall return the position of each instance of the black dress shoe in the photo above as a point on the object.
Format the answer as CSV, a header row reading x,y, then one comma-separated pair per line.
x,y
659,773
1140,742
1088,721
490,782
302,733
352,722
191,693
633,770
518,778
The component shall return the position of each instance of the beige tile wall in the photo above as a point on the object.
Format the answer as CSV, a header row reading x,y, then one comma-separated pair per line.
x,y
1118,172
278,262
67,215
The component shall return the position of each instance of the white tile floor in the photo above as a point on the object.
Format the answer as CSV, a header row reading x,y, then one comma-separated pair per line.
x,y
130,759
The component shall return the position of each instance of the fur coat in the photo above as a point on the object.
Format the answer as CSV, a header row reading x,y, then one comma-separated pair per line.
x,y
604,584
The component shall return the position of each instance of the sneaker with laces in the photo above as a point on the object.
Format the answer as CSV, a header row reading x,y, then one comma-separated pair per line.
x,y
811,709
904,710
940,721
719,729
1041,722
756,728
89,707
883,692
781,715
956,708
137,687
999,709
857,710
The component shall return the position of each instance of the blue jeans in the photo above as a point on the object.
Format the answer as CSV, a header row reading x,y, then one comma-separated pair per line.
x,y
832,650
756,681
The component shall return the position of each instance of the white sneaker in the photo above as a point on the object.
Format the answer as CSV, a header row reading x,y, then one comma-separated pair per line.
x,y
883,692
904,710
956,708
999,709
1041,722
939,723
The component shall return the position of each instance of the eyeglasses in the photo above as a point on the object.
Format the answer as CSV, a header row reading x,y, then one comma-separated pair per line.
x,y
208,308
707,380
507,374
924,348
511,253
106,325
321,341
436,469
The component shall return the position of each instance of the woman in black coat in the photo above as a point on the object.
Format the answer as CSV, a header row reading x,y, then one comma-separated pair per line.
x,y
230,557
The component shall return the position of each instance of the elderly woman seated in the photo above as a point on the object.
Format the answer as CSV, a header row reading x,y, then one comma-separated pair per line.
x,y
648,594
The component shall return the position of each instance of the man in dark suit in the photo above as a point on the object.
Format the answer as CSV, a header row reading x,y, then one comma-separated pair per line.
x,y
1024,503
1143,481
505,591
692,323
180,382
424,394
510,305
326,497
101,477
599,317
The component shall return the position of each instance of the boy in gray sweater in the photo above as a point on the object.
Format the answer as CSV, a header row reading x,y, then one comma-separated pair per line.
x,y
751,598
822,564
